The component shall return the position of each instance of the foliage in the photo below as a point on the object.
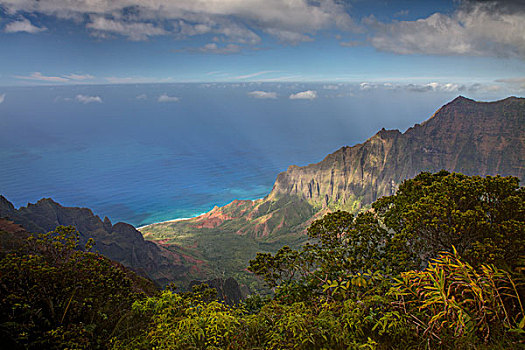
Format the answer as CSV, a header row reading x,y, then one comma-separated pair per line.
x,y
185,321
484,218
451,302
341,246
53,295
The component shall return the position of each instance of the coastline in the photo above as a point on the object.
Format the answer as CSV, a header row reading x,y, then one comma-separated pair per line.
x,y
196,216
168,221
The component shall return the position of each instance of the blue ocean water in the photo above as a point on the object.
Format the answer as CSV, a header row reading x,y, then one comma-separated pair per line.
x,y
129,154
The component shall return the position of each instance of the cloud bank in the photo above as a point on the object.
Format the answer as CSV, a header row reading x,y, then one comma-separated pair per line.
x,y
233,20
475,28
485,28
511,85
2,98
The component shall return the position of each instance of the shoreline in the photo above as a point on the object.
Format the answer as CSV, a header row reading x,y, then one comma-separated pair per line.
x,y
172,220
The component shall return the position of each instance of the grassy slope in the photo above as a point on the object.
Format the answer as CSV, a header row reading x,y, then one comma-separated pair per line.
x,y
223,241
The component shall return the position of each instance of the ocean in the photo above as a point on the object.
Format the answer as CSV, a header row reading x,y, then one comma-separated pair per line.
x,y
154,152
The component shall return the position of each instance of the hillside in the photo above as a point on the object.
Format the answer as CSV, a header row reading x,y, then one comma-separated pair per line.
x,y
475,138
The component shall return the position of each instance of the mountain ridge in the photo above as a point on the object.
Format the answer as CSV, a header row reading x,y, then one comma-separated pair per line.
x,y
120,242
425,155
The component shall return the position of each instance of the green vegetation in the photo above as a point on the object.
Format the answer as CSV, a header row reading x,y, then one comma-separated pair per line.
x,y
55,296
439,265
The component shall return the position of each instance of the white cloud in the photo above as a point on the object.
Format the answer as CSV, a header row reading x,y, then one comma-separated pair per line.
x,y
135,31
88,99
234,20
2,98
142,97
262,94
167,98
225,29
290,36
215,49
253,75
331,87
476,30
435,86
79,76
365,86
492,88
281,78
136,80
23,25
55,79
39,76
304,95
423,87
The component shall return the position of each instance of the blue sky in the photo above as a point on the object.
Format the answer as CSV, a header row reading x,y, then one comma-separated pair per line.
x,y
438,44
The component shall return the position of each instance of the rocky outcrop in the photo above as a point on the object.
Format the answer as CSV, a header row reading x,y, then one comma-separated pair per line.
x,y
120,242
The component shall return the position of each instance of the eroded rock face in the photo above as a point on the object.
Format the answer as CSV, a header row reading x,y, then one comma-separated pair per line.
x,y
474,138
120,242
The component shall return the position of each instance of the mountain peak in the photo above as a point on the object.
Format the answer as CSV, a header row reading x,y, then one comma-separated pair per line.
x,y
6,205
384,133
47,201
461,99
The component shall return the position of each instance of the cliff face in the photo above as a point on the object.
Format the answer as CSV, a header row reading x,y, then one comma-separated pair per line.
x,y
473,138
120,242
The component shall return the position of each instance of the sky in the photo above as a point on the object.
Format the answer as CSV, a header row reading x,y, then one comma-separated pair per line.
x,y
435,45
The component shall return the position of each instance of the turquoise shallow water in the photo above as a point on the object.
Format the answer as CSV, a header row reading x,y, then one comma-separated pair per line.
x,y
138,160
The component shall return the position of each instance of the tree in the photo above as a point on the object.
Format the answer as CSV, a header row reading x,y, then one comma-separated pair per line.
x,y
340,246
483,218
